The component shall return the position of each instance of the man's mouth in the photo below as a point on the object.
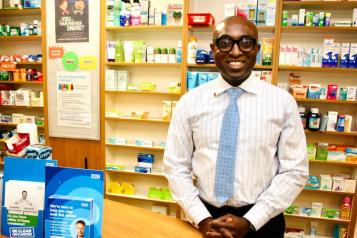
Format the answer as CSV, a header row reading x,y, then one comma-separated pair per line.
x,y
235,64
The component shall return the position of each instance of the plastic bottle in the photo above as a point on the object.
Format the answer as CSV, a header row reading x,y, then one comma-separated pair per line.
x,y
346,207
303,116
313,119
164,18
192,50
179,52
135,16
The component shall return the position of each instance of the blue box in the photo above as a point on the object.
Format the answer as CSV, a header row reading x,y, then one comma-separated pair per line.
x,y
32,3
146,158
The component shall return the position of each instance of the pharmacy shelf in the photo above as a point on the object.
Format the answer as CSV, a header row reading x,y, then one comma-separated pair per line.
x,y
328,192
20,38
29,63
140,197
20,12
267,67
160,65
143,92
319,29
22,107
334,163
210,28
334,133
317,69
153,120
143,28
22,82
131,172
320,5
311,100
136,147
336,220
14,124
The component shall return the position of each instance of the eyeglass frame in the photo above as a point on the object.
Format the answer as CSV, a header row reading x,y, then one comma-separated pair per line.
x,y
235,42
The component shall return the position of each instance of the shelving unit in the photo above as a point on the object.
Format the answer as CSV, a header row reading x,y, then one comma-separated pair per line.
x,y
136,147
116,99
131,172
151,120
141,197
26,45
308,37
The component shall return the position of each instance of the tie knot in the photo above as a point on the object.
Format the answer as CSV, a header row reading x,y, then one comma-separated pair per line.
x,y
234,93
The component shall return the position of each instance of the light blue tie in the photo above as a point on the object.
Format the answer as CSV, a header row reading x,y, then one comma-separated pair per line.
x,y
227,152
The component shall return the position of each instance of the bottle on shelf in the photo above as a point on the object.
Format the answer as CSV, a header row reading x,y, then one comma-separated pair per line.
x,y
313,119
192,50
135,16
346,207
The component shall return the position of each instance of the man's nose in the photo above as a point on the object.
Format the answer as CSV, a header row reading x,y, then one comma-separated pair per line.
x,y
235,52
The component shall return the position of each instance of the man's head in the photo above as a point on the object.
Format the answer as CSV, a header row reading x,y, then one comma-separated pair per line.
x,y
235,47
24,194
80,225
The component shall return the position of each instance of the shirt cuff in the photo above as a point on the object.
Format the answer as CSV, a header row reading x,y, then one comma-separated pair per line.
x,y
197,211
258,216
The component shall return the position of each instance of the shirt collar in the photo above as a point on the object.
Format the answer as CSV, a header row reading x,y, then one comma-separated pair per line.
x,y
249,85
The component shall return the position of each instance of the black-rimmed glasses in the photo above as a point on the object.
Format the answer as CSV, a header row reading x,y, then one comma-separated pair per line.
x,y
225,43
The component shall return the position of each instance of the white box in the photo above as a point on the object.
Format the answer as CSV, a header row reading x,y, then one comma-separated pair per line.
x,y
282,55
271,12
37,99
111,80
301,17
17,118
252,10
144,12
351,93
332,120
316,209
229,10
1,5
30,119
354,18
7,97
123,79
353,54
338,184
325,182
289,53
294,55
22,97
349,186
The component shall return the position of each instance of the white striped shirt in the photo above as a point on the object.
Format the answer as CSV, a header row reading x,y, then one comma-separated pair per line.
x,y
271,166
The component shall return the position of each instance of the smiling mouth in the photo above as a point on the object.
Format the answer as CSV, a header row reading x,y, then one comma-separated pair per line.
x,y
236,64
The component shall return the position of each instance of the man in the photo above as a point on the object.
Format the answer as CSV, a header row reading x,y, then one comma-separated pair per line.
x,y
80,226
24,202
243,141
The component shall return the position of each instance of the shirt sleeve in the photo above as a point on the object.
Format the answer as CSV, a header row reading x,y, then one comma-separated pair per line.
x,y
178,165
292,172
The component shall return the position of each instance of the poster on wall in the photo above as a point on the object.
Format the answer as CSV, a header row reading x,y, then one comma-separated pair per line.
x,y
74,99
72,21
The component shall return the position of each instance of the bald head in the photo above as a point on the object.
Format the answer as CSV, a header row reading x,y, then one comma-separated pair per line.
x,y
237,25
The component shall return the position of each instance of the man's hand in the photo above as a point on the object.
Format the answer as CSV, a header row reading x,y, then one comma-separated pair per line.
x,y
231,226
206,229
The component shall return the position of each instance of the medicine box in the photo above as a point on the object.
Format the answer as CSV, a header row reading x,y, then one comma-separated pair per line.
x,y
271,10
325,182
22,97
351,93
17,118
123,79
338,184
345,55
7,97
353,56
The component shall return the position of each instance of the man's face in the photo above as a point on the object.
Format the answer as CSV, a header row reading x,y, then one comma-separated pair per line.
x,y
24,195
235,65
80,230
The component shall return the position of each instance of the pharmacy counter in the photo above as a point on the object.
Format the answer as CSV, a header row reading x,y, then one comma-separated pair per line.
x,y
123,221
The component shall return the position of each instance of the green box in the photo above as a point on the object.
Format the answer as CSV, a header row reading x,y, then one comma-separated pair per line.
x,y
311,152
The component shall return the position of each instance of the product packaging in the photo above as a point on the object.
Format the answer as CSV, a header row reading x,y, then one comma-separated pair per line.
x,y
332,91
262,12
271,11
351,93
175,14
267,49
332,120
144,12
345,55
353,56
110,51
322,151
111,80
41,152
123,79
252,10
229,10
325,182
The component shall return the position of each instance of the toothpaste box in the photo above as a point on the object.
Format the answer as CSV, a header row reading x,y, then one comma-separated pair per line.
x,y
345,55
335,54
41,152
353,56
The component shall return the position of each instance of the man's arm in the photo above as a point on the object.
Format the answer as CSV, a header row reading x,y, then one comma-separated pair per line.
x,y
292,172
178,164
